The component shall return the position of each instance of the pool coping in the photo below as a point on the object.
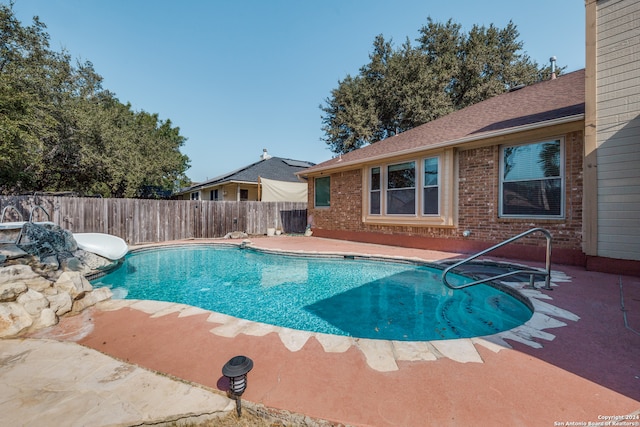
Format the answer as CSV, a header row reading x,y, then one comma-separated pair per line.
x,y
381,355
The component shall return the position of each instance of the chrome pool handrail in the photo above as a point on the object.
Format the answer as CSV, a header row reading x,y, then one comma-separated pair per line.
x,y
546,272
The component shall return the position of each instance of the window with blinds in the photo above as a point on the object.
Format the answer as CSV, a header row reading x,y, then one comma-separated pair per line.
x,y
532,180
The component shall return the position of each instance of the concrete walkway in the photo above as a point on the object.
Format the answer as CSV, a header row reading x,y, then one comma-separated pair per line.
x,y
51,383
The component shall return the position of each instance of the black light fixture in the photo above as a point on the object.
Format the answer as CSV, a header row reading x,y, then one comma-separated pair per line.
x,y
236,370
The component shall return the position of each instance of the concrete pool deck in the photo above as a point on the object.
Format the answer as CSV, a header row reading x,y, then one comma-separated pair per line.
x,y
582,371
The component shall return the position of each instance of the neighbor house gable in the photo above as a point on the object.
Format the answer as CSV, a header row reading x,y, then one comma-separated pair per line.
x,y
242,183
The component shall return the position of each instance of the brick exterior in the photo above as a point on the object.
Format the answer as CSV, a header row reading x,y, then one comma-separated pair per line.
x,y
478,207
479,198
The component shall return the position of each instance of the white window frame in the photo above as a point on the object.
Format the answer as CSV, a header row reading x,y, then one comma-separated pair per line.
x,y
446,192
388,191
561,177
377,191
425,186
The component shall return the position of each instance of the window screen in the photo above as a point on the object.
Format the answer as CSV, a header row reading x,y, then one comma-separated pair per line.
x,y
375,191
401,184
322,192
430,198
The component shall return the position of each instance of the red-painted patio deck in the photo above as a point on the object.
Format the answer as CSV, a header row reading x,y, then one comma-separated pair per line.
x,y
590,370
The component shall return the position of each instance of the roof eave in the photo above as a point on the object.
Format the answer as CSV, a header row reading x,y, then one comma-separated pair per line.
x,y
460,141
231,181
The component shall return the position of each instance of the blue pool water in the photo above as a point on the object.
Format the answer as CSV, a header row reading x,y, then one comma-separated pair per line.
x,y
359,298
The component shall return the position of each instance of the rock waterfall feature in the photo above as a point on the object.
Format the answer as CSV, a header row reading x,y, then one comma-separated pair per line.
x,y
43,275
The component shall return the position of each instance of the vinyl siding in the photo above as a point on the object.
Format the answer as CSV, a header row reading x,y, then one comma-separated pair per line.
x,y
618,128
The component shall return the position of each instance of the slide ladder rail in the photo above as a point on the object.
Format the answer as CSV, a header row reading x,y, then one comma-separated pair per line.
x,y
6,208
33,209
531,272
42,209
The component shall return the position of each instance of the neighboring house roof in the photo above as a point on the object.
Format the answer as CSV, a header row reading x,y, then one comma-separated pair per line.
x,y
544,103
276,168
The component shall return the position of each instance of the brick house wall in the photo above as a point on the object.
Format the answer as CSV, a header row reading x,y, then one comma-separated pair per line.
x,y
477,208
478,201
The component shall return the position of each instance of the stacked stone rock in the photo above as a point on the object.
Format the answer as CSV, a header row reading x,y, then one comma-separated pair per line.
x,y
43,277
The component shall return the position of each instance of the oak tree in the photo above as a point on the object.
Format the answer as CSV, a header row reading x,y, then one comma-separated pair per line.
x,y
61,131
401,88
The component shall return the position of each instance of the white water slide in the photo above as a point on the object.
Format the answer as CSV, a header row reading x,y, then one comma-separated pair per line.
x,y
105,245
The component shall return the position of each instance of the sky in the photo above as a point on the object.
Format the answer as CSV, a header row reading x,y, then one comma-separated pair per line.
x,y
239,76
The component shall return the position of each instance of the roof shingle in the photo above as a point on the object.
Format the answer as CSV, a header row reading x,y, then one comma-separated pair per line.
x,y
276,168
541,102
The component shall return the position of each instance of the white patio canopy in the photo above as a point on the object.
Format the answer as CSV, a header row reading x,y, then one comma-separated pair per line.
x,y
283,191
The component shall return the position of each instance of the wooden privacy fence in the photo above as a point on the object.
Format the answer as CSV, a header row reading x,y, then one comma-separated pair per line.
x,y
145,221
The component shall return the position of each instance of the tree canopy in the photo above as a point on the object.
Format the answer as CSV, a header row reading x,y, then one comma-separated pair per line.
x,y
401,88
61,131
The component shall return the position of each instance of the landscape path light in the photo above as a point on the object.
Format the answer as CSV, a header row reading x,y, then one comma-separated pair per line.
x,y
236,370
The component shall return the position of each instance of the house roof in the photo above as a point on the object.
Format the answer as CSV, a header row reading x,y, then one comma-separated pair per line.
x,y
276,168
543,103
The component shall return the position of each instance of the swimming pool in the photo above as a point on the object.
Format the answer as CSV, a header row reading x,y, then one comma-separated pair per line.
x,y
334,295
